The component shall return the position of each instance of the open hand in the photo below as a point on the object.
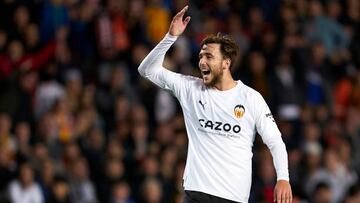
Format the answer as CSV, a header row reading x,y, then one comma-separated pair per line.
x,y
178,25
282,192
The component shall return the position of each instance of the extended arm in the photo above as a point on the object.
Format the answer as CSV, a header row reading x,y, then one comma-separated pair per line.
x,y
282,191
271,136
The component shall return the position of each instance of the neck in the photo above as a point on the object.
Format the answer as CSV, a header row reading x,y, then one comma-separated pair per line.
x,y
226,83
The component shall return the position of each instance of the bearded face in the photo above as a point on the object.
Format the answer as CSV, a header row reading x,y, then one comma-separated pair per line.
x,y
211,64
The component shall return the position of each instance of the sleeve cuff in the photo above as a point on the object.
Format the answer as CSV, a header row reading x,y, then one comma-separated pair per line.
x,y
283,178
170,37
282,175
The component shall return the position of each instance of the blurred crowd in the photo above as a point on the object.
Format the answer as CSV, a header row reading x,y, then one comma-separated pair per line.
x,y
78,124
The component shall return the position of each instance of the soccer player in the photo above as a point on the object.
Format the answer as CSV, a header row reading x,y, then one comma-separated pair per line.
x,y
221,116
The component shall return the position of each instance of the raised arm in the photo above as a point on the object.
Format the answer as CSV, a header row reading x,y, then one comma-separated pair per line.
x,y
153,61
151,67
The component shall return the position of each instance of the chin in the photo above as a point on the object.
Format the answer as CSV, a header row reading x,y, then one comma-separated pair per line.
x,y
209,83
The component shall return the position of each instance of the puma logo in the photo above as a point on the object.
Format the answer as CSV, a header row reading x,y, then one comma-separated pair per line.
x,y
202,104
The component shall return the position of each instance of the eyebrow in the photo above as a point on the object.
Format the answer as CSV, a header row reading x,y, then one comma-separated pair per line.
x,y
205,53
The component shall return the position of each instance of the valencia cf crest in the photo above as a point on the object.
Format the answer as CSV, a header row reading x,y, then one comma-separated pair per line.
x,y
239,111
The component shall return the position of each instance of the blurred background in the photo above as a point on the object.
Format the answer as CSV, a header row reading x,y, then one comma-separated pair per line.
x,y
78,124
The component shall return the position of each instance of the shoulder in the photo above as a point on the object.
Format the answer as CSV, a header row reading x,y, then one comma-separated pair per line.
x,y
254,99
14,184
192,80
250,93
36,186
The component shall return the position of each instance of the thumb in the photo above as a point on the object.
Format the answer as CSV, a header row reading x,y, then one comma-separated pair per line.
x,y
275,195
187,20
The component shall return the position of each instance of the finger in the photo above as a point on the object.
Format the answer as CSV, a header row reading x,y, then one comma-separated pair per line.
x,y
185,9
290,196
187,20
182,12
275,193
286,198
281,197
278,197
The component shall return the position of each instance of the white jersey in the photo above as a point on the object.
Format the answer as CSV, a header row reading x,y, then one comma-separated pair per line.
x,y
221,127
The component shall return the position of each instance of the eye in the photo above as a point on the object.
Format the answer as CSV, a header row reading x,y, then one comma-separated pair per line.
x,y
209,55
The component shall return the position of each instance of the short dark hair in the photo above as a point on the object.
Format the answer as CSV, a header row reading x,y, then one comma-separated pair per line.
x,y
228,48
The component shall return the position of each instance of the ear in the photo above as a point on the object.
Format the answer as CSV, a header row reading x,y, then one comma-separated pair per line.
x,y
227,62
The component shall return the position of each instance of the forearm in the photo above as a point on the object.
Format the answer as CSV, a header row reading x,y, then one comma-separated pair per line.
x,y
152,64
280,159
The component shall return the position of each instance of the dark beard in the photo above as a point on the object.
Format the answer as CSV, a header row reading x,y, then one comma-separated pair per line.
x,y
215,79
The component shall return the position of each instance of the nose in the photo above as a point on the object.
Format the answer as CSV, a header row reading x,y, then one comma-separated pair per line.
x,y
202,62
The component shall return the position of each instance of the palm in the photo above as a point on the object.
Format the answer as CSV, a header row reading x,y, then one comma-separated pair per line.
x,y
178,25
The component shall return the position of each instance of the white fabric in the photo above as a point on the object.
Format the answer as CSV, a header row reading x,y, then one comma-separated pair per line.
x,y
220,144
165,106
46,95
19,194
289,111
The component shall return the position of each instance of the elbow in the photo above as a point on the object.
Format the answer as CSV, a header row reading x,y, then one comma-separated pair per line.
x,y
141,70
277,143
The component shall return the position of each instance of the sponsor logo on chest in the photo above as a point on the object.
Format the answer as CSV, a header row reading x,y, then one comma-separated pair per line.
x,y
219,126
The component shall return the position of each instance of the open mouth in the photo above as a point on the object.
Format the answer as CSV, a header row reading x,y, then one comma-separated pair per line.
x,y
205,72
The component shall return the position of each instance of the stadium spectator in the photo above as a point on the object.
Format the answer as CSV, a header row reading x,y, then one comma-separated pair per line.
x,y
24,189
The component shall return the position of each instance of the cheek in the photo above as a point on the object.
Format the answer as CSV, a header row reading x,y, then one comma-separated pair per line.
x,y
217,66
